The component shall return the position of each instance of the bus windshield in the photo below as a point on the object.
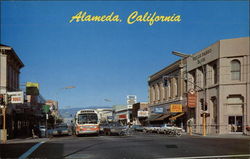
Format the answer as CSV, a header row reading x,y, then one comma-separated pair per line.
x,y
87,118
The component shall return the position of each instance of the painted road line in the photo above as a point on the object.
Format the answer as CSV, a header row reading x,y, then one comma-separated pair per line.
x,y
221,156
32,149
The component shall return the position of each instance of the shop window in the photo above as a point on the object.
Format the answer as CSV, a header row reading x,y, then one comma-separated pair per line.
x,y
235,70
235,123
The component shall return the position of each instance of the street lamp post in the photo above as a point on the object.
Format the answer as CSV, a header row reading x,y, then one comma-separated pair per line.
x,y
64,88
203,89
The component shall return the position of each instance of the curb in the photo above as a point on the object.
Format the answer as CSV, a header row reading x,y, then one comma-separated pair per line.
x,y
27,140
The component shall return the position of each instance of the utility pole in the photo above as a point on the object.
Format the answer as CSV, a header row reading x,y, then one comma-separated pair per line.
x,y
46,125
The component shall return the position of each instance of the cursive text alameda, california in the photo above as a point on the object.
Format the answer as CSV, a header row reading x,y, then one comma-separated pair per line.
x,y
134,17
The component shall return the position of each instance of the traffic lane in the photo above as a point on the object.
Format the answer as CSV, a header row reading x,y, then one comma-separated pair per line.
x,y
14,150
58,147
187,146
139,146
161,146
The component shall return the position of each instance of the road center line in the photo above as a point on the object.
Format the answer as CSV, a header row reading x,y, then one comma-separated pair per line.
x,y
224,156
32,149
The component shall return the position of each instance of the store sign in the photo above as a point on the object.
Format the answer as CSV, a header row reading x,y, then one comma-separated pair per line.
x,y
158,110
192,97
16,97
142,113
32,88
176,108
31,84
122,116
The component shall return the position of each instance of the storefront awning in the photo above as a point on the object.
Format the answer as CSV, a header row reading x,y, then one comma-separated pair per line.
x,y
162,117
153,117
177,116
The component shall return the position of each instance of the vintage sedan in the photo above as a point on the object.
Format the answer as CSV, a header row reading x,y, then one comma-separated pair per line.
x,y
137,128
62,129
115,129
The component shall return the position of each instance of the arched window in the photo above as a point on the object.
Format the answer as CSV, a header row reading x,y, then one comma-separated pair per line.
x,y
235,70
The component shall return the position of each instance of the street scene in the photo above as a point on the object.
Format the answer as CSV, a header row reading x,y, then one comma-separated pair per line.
x,y
125,80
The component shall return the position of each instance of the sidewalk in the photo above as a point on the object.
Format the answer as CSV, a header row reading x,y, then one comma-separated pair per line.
x,y
225,136
26,140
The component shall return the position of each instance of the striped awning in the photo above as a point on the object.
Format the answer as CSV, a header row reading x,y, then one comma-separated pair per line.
x,y
153,117
177,116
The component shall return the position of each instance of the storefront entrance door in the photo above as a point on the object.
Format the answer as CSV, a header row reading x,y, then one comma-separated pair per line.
x,y
235,124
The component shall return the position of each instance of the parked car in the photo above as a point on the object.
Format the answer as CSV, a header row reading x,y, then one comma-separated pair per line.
x,y
151,128
42,131
103,126
165,127
115,129
62,129
137,128
169,129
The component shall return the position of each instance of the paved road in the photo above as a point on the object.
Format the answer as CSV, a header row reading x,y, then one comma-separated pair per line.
x,y
139,146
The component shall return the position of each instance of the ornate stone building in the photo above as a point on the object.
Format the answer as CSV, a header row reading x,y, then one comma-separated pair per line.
x,y
167,87
221,77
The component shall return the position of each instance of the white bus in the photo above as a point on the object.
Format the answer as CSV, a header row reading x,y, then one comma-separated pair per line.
x,y
86,122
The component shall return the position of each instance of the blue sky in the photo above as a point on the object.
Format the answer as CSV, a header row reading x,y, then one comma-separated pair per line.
x,y
108,60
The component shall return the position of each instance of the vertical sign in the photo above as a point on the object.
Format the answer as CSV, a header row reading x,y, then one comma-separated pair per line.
x,y
192,96
131,99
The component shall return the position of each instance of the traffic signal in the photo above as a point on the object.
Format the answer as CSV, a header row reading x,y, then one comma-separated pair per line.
x,y
203,105
8,98
2,100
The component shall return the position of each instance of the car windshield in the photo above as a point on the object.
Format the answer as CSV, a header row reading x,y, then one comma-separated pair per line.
x,y
87,119
62,126
167,125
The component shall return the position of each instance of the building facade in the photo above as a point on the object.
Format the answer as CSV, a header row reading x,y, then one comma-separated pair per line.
x,y
220,75
122,114
167,89
105,114
140,113
10,66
